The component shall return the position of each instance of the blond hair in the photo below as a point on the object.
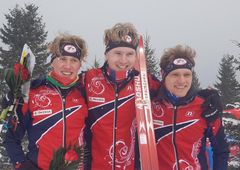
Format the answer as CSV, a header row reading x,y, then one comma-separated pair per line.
x,y
118,33
54,46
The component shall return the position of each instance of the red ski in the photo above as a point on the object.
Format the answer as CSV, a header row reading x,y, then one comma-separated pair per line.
x,y
146,136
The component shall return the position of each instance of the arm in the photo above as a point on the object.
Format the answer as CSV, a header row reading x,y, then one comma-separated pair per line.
x,y
154,85
13,138
220,149
212,104
88,141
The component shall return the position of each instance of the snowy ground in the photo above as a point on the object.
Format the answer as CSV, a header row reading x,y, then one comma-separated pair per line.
x,y
234,121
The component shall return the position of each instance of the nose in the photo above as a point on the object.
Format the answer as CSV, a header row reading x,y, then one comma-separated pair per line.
x,y
123,59
67,63
181,79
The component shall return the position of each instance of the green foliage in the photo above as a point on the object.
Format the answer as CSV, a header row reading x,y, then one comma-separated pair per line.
x,y
152,64
96,63
59,161
195,82
227,85
23,25
237,60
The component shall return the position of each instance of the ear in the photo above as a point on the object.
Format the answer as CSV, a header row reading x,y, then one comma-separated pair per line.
x,y
106,56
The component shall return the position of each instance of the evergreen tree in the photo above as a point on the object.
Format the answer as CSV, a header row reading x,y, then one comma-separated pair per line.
x,y
24,25
152,64
237,60
195,82
228,86
96,63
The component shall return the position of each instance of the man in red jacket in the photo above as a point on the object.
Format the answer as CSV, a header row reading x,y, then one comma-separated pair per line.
x,y
181,131
110,98
56,111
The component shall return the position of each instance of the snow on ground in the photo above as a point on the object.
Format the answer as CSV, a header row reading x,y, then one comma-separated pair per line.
x,y
234,121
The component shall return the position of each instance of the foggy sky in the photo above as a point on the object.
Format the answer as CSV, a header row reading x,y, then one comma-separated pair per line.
x,y
208,26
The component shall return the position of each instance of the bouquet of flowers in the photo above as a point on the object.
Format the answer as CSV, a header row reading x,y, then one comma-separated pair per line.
x,y
71,158
18,81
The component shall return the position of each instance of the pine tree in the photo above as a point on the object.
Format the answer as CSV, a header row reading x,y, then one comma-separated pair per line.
x,y
228,86
195,82
152,64
237,60
96,63
24,25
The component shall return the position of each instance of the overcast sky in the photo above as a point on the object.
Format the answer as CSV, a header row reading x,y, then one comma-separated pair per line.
x,y
208,26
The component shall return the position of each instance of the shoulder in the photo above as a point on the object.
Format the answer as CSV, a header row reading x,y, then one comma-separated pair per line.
x,y
96,72
206,93
154,85
38,82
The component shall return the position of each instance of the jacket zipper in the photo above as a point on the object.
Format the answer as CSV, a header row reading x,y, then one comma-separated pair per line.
x,y
174,137
63,98
115,125
64,121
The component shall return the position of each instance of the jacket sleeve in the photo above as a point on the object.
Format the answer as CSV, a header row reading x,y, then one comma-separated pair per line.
x,y
154,85
220,150
12,140
88,142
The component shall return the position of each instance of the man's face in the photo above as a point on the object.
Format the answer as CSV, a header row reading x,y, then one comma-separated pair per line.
x,y
121,58
179,82
66,66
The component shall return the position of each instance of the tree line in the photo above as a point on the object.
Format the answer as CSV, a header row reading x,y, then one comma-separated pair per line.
x,y
26,25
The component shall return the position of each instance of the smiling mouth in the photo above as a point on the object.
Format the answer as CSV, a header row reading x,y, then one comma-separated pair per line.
x,y
180,87
66,73
122,67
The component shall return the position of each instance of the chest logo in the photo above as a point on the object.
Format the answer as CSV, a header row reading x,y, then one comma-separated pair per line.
x,y
96,86
189,114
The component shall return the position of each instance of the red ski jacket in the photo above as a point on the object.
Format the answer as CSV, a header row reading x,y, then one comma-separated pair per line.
x,y
53,120
106,99
181,135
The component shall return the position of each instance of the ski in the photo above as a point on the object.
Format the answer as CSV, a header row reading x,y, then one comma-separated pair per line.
x,y
146,136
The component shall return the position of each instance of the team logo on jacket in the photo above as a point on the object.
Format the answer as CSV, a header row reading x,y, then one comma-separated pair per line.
x,y
157,109
124,151
189,114
96,85
41,99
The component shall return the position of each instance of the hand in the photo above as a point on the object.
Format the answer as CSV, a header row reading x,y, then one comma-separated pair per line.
x,y
7,100
212,105
26,165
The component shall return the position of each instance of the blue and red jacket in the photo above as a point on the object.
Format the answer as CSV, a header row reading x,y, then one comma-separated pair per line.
x,y
106,98
181,134
53,119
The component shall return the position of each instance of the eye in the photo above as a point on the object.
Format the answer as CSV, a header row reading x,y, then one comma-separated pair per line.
x,y
63,59
175,74
74,60
187,75
118,53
